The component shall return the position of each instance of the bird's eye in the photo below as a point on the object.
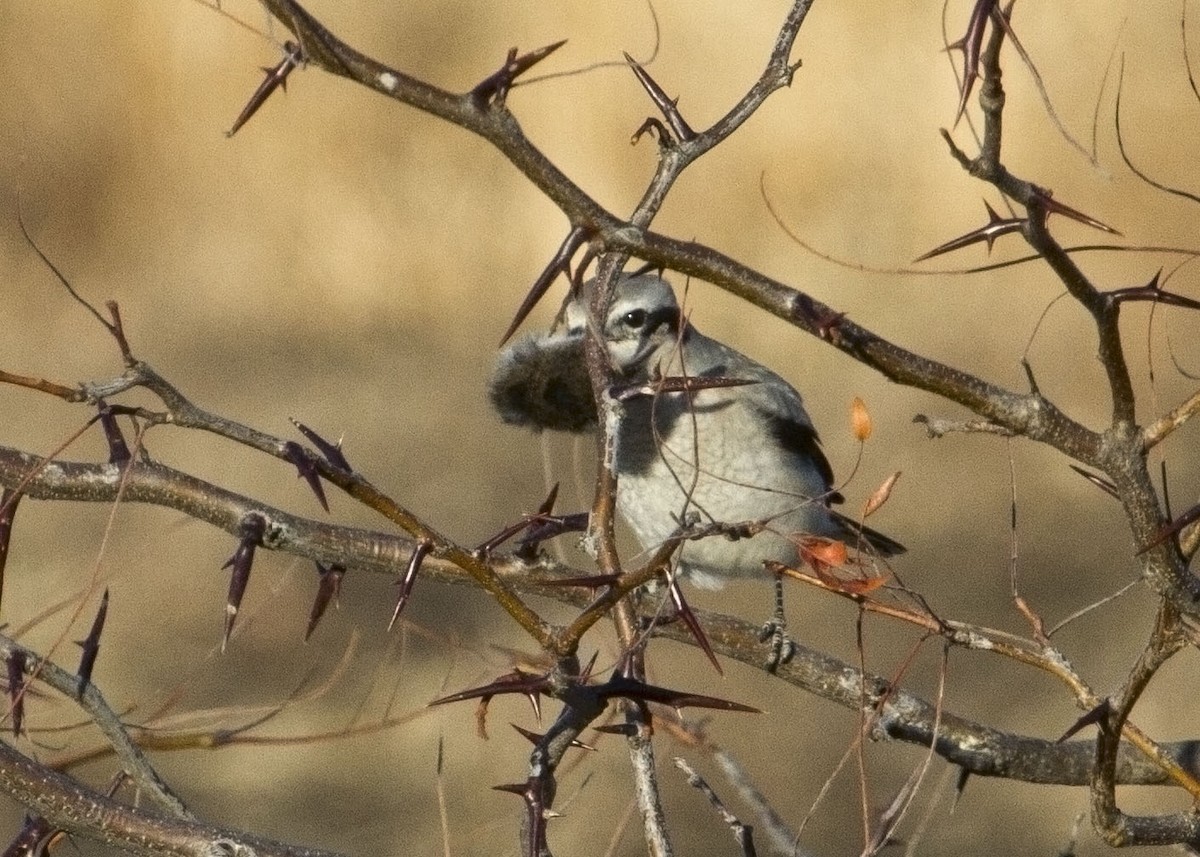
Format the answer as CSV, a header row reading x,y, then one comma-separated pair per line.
x,y
635,318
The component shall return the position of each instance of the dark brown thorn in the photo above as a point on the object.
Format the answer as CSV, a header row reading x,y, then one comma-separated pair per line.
x,y
251,530
532,791
530,685
1099,481
684,610
1053,206
332,451
559,264
276,78
305,469
1189,517
638,691
960,785
329,588
667,106
676,384
534,737
118,450
993,229
91,646
9,500
526,522
971,44
544,527
1152,291
494,88
15,667
422,549
590,581
1096,716
627,730
36,838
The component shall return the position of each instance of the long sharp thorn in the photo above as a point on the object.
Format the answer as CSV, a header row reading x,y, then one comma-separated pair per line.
x,y
332,451
118,450
1100,482
971,45
329,587
15,665
253,528
422,548
560,264
693,624
276,78
305,469
666,105
91,646
9,500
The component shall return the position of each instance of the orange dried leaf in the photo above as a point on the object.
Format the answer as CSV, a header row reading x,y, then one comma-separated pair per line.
x,y
860,419
880,496
822,553
861,586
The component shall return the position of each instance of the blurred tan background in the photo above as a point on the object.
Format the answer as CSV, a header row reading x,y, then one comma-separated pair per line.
x,y
353,263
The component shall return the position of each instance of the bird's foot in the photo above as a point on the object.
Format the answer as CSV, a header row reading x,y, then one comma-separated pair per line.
x,y
781,646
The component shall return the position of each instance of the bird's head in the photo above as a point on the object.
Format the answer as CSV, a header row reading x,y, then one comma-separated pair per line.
x,y
642,317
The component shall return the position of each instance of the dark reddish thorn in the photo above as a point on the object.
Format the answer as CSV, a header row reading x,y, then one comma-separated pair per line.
x,y
1100,482
588,581
538,527
91,646
666,105
422,548
252,529
276,78
15,664
533,792
118,451
971,45
9,500
534,737
676,384
530,685
693,624
560,264
995,227
306,469
35,839
332,451
1189,517
494,88
329,588
639,691
1153,291
512,529
960,785
626,730
1097,716
1053,206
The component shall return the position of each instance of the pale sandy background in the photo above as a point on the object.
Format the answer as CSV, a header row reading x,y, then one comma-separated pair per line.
x,y
352,263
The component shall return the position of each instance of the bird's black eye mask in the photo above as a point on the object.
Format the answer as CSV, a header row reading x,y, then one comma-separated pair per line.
x,y
645,323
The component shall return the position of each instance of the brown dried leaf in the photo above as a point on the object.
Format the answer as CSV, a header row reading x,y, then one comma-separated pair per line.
x,y
860,419
881,495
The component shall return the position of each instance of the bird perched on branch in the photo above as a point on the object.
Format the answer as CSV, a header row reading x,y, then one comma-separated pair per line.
x,y
732,445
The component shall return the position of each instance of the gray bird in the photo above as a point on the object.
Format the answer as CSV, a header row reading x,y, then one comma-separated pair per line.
x,y
715,456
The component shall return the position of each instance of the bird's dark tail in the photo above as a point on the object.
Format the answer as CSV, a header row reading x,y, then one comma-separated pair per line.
x,y
858,534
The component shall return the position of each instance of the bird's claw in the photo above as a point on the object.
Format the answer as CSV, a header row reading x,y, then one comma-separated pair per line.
x,y
782,647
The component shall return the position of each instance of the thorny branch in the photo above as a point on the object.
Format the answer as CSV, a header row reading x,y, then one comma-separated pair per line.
x,y
1118,452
